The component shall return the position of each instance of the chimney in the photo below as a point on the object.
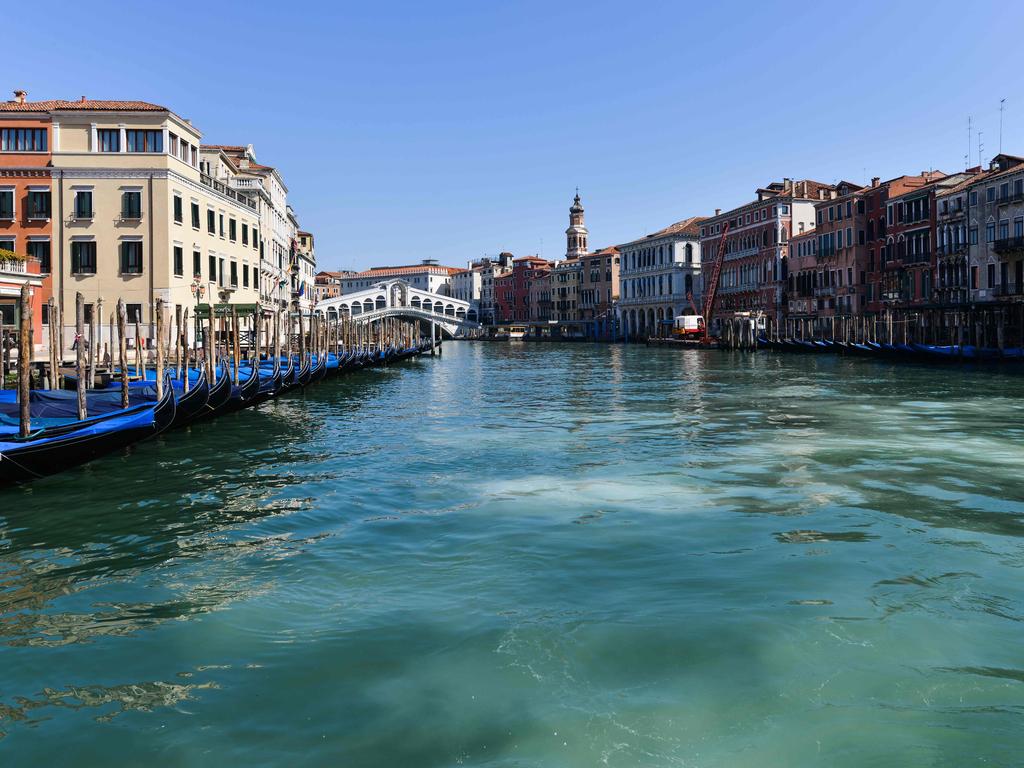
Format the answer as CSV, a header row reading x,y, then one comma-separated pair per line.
x,y
875,181
83,99
19,96
718,211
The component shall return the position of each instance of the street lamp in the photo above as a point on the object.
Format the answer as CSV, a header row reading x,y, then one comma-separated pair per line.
x,y
198,290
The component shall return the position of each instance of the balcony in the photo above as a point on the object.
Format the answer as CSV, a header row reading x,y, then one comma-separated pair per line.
x,y
753,251
826,290
1008,289
946,251
917,258
1011,197
1008,245
20,266
227,192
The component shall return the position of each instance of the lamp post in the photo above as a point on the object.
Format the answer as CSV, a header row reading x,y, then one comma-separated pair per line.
x,y
198,290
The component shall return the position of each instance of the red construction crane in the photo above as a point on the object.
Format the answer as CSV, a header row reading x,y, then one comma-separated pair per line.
x,y
711,289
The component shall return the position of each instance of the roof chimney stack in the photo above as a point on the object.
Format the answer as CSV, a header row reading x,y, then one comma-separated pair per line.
x,y
718,211
83,99
19,96
875,181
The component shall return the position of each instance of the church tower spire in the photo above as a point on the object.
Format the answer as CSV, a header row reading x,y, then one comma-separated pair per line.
x,y
576,234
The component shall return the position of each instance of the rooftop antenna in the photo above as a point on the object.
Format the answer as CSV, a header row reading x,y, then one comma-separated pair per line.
x,y
980,147
1001,103
967,157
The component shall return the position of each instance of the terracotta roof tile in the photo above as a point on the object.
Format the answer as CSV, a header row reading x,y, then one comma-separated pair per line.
x,y
690,226
82,104
397,271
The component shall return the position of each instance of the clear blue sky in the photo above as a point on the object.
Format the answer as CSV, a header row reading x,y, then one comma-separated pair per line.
x,y
452,130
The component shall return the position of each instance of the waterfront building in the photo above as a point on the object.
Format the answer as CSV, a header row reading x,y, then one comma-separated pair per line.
x,y
996,232
490,272
952,267
886,285
467,284
25,209
512,289
539,296
802,280
327,284
656,274
839,280
235,167
127,211
427,276
599,292
757,246
565,288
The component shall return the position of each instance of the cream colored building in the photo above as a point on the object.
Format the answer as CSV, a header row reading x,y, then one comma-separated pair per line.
x,y
134,217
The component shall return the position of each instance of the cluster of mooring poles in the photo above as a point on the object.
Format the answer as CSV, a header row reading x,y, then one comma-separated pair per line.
x,y
123,387
968,333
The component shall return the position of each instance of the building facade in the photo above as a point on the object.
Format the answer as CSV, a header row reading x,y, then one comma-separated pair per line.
x,y
657,274
26,215
996,232
754,271
599,292
135,218
427,276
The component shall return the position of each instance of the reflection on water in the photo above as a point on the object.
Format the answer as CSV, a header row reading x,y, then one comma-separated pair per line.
x,y
537,555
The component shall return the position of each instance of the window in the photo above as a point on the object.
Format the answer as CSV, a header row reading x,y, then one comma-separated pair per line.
x,y
83,257
179,215
197,264
220,221
990,194
6,203
990,233
83,204
212,262
179,262
232,230
1018,227
131,204
23,140
1004,229
131,257
39,203
974,235
144,141
195,215
133,312
245,275
108,140
220,272
211,221
40,251
991,275
7,243
245,234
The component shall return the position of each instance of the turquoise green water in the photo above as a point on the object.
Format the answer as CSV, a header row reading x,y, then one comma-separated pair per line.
x,y
537,556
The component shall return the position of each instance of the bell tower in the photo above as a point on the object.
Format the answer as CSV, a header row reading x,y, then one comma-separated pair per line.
x,y
576,234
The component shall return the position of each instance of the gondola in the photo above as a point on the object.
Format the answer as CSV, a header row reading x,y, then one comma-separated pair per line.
x,y
219,395
319,370
192,403
303,376
243,393
53,449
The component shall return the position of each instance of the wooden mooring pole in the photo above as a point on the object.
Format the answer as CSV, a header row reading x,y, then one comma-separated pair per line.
x,y
80,370
25,363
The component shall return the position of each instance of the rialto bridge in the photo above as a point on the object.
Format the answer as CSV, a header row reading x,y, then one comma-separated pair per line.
x,y
396,298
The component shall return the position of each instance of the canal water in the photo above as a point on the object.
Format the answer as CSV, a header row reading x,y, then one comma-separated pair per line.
x,y
537,555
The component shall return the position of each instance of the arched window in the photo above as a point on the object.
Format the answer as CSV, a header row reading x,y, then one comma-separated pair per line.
x,y
689,253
